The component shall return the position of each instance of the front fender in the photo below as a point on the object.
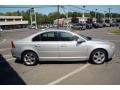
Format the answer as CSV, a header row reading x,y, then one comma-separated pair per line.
x,y
91,48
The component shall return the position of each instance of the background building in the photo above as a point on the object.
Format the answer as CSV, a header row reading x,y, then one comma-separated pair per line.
x,y
64,21
12,22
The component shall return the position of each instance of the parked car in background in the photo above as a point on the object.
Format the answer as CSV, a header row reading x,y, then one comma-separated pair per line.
x,y
112,24
1,29
89,26
78,26
100,25
94,25
61,45
32,27
106,24
117,24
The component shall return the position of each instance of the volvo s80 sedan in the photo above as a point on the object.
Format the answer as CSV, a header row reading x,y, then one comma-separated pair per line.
x,y
61,45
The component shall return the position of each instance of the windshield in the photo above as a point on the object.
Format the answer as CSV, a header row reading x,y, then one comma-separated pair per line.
x,y
86,37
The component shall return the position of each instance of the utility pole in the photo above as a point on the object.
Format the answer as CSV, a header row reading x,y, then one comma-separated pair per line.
x,y
35,20
110,16
83,15
66,14
33,14
58,17
30,17
104,16
67,19
83,12
96,15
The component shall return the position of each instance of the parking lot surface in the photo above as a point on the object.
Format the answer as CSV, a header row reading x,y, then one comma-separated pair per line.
x,y
62,73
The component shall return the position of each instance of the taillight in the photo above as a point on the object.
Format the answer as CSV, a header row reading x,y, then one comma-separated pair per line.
x,y
12,44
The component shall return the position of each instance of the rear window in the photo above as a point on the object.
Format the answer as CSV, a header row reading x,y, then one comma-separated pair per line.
x,y
36,38
47,36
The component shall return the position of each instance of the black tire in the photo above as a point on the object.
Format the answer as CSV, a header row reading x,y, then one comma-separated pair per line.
x,y
30,58
100,59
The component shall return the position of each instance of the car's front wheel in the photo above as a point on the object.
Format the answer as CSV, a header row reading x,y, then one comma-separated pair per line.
x,y
30,58
98,56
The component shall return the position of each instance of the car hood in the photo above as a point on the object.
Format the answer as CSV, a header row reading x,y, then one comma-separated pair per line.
x,y
94,40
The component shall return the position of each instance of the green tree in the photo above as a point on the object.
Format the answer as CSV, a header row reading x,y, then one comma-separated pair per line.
x,y
92,14
70,14
53,16
26,15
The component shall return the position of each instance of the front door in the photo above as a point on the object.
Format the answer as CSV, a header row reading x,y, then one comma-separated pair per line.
x,y
69,48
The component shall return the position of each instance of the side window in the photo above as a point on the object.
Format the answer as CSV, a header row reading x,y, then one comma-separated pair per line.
x,y
36,38
76,38
64,36
48,36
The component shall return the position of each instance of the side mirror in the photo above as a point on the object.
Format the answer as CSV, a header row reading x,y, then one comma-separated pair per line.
x,y
79,41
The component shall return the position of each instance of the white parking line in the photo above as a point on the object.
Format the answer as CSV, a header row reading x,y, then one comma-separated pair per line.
x,y
68,75
3,41
10,59
4,49
6,56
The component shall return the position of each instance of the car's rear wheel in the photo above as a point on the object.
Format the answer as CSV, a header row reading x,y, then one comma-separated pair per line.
x,y
30,58
98,56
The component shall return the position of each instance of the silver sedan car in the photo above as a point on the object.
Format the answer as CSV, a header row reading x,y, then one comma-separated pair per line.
x,y
61,45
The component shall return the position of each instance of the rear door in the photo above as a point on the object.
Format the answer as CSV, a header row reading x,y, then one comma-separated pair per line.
x,y
47,45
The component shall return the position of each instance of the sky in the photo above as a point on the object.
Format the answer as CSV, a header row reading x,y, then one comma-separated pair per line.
x,y
46,9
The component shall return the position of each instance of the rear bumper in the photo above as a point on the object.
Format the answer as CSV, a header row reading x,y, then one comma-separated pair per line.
x,y
15,53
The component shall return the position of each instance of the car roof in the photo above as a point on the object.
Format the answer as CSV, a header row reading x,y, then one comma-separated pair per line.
x,y
55,30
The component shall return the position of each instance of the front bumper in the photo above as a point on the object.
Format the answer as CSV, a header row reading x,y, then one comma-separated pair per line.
x,y
111,51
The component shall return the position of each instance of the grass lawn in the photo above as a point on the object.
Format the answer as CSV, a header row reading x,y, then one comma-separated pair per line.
x,y
117,31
